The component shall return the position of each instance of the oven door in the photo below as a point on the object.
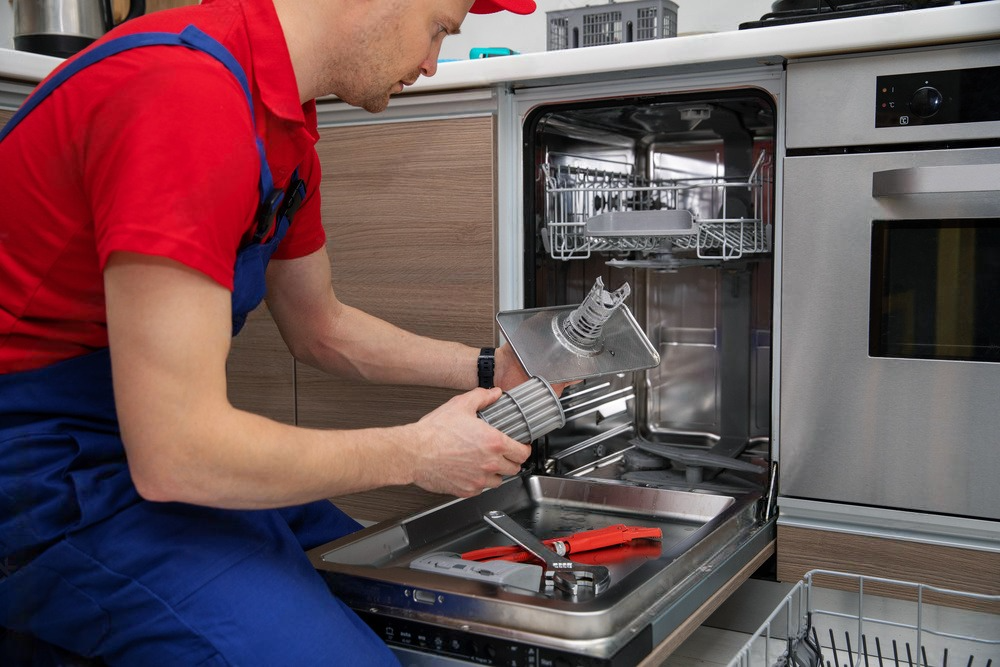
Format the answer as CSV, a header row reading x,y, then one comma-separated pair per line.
x,y
890,330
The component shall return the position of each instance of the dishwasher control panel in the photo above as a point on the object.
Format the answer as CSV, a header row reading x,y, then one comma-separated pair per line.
x,y
463,645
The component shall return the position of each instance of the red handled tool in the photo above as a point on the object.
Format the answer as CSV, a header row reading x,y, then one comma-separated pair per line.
x,y
588,540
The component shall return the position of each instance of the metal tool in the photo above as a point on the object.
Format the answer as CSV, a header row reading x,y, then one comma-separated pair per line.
x,y
587,540
558,571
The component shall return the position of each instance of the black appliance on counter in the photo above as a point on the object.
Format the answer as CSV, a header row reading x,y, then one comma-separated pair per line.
x,y
61,28
785,12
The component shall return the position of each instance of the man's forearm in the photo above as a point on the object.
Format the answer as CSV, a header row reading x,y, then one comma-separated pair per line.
x,y
356,344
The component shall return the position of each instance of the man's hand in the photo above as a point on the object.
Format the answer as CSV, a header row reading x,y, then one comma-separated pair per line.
x,y
460,454
508,372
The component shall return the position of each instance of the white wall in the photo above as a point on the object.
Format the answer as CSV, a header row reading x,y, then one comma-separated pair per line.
x,y
526,34
6,24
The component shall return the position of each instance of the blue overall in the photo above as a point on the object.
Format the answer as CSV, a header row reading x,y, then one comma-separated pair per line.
x,y
101,572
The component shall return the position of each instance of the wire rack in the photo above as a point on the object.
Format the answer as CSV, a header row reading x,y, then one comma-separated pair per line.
x,y
609,208
931,627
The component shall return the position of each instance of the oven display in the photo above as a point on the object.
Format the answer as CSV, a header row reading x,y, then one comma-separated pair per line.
x,y
935,287
938,98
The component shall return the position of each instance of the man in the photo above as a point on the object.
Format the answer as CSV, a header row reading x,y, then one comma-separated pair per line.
x,y
146,520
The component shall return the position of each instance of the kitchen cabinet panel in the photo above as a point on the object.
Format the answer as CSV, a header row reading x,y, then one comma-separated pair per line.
x,y
409,210
157,5
260,370
801,550
120,7
409,213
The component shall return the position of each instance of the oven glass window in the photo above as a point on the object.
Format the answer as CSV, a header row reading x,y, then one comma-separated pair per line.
x,y
935,289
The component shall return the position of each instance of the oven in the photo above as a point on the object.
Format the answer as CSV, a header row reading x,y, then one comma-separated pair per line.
x,y
661,192
890,323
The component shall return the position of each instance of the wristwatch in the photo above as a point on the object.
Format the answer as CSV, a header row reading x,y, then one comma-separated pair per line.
x,y
486,364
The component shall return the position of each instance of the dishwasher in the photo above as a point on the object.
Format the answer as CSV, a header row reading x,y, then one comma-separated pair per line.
x,y
652,199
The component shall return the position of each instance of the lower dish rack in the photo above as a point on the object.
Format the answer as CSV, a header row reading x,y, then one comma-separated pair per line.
x,y
844,621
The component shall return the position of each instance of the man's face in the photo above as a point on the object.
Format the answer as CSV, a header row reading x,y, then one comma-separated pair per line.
x,y
400,42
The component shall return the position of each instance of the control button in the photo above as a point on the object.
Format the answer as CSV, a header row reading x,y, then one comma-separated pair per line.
x,y
926,101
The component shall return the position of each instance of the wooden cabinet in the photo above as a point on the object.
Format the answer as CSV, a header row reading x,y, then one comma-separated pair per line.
x,y
120,7
409,210
802,549
260,370
157,5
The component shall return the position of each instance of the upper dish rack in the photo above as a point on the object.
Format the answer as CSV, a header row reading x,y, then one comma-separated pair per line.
x,y
603,209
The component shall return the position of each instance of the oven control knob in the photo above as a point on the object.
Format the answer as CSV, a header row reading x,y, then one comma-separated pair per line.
x,y
926,101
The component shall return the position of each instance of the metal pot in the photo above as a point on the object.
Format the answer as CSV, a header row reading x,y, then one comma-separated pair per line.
x,y
62,27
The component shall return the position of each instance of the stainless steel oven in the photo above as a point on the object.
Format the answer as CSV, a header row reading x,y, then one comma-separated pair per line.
x,y
890,291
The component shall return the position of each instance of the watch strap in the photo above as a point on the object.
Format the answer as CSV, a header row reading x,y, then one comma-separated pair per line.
x,y
485,367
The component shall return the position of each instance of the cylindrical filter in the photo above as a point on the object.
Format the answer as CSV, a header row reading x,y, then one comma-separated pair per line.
x,y
583,326
526,412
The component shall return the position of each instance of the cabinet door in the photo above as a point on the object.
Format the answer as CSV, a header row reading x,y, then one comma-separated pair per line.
x,y
955,568
260,371
409,210
120,8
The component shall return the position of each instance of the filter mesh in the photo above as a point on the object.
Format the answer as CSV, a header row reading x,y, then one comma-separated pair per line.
x,y
526,412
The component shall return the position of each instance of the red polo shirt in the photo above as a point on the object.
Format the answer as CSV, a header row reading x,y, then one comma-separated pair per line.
x,y
150,151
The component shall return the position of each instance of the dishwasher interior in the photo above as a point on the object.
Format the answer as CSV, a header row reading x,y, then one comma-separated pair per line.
x,y
673,195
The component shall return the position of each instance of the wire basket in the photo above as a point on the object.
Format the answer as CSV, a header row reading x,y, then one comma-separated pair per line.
x,y
855,626
605,207
614,23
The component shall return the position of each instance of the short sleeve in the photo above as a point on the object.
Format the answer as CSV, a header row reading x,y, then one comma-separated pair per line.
x,y
306,234
173,169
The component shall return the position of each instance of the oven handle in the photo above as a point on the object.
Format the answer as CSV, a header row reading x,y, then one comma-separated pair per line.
x,y
936,180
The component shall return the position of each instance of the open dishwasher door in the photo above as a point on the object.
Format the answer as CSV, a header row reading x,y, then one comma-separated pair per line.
x,y
492,615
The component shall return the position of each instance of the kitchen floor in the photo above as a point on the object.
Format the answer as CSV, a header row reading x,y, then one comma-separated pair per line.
x,y
708,647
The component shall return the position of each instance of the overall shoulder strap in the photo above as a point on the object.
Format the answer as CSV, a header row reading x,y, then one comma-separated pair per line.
x,y
190,37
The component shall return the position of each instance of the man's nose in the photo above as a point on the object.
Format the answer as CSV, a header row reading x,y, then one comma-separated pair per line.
x,y
430,64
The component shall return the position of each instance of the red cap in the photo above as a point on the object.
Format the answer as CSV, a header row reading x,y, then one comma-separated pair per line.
x,y
493,6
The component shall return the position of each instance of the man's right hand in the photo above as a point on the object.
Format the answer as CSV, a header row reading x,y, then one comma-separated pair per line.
x,y
460,454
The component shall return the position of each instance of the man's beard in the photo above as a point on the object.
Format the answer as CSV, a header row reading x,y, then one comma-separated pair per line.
x,y
375,103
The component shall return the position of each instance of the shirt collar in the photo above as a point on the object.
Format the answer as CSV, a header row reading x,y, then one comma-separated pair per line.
x,y
272,63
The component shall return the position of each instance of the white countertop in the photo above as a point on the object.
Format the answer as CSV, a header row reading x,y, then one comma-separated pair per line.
x,y
940,25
